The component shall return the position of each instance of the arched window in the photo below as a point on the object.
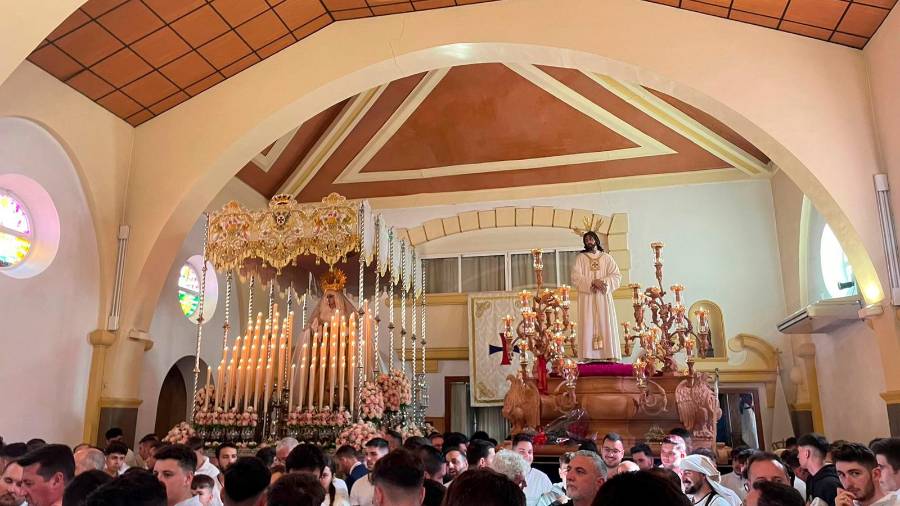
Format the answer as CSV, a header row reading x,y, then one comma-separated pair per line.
x,y
837,274
16,232
188,290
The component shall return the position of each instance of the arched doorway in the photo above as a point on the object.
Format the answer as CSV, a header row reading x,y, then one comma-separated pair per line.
x,y
175,394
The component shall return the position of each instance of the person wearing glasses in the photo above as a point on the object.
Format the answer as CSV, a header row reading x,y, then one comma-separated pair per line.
x,y
612,451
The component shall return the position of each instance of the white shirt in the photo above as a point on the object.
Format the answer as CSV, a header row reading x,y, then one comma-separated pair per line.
x,y
193,501
363,492
735,483
537,484
800,486
716,500
213,472
341,496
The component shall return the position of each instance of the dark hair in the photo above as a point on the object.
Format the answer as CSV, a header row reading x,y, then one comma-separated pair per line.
x,y
455,439
305,457
394,434
226,444
791,441
681,431
113,433
706,452
520,438
414,442
640,487
777,494
135,488
266,455
565,458
854,452
478,449
83,485
612,436
641,448
347,451
13,451
52,459
399,469
377,442
35,443
434,435
202,481
758,456
434,493
183,454
480,434
431,459
589,445
332,491
248,477
148,438
116,447
890,448
484,487
815,441
736,451
596,239
195,443
666,474
296,489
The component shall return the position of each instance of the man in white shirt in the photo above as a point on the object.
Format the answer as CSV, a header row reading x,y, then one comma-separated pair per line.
x,y
735,479
887,455
363,492
536,482
11,493
701,483
131,459
858,471
115,458
204,466
174,468
765,466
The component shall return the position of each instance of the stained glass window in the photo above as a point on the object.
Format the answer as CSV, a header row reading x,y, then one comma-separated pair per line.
x,y
15,231
188,290
836,270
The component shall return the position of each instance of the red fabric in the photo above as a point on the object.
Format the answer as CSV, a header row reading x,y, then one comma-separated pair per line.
x,y
601,369
541,369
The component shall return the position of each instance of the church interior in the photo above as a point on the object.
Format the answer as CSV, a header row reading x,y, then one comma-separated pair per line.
x,y
746,147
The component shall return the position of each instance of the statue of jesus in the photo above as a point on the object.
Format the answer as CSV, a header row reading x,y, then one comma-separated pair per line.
x,y
595,276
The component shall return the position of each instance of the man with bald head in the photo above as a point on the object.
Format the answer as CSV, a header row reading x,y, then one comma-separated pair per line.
x,y
88,458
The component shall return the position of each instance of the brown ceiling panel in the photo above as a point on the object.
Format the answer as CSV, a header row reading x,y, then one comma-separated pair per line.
x,y
231,35
139,117
187,70
150,89
119,104
168,103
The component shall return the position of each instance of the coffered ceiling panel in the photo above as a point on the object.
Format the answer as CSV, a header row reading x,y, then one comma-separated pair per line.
x,y
153,53
493,126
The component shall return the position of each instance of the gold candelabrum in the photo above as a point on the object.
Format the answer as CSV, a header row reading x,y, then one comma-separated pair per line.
x,y
667,332
544,329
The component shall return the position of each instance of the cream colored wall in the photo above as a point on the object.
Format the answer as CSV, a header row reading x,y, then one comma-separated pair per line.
x,y
24,25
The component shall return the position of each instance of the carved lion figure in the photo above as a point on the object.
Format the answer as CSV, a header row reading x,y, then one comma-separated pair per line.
x,y
522,405
698,406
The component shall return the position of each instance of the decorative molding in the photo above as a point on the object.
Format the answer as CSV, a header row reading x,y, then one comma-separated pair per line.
x,y
801,406
266,161
115,402
141,336
680,122
758,346
891,397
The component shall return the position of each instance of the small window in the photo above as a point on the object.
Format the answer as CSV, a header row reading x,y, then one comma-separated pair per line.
x,y
522,270
837,274
441,275
15,231
483,273
188,290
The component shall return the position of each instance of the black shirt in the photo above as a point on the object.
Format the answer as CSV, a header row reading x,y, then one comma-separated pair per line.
x,y
824,485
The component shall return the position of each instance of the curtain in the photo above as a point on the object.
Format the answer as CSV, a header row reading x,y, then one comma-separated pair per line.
x,y
522,270
490,419
566,260
441,275
484,274
459,408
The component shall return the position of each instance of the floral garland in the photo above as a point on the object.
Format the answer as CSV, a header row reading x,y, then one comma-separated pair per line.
x,y
357,435
179,433
324,418
396,389
371,402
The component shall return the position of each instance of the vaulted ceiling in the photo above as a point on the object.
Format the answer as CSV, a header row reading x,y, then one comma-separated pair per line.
x,y
492,126
139,58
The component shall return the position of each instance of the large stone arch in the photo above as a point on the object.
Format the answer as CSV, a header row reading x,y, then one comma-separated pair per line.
x,y
184,157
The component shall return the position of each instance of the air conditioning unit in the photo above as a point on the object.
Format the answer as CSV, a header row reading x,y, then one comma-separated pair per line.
x,y
823,316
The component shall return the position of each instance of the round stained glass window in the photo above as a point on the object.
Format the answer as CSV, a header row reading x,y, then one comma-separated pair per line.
x,y
15,231
188,290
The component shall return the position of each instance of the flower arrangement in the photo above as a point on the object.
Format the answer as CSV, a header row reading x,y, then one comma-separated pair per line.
x,y
371,402
396,389
179,433
248,418
357,435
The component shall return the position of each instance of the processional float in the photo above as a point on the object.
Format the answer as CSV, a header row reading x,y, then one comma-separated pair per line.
x,y
322,381
545,339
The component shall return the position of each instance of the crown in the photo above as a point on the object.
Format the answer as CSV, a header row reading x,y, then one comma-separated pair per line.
x,y
333,280
588,226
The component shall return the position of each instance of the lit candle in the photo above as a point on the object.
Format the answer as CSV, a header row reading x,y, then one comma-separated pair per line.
x,y
220,378
291,389
256,389
232,376
303,372
206,388
352,390
252,364
312,369
278,355
263,357
323,364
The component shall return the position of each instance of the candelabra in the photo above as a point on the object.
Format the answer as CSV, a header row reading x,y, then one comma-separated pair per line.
x,y
668,331
544,330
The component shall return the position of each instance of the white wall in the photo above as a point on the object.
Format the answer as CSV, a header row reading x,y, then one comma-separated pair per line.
x,y
173,334
46,319
720,242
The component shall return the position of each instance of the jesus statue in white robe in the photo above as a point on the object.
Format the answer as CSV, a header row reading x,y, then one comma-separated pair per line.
x,y
595,276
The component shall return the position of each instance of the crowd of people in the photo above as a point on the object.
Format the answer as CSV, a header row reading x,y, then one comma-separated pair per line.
x,y
447,469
